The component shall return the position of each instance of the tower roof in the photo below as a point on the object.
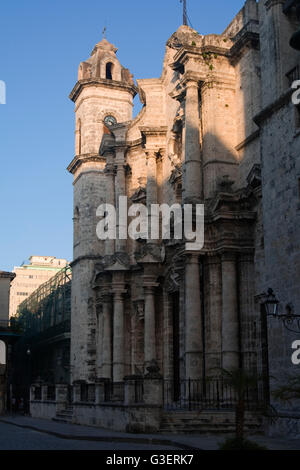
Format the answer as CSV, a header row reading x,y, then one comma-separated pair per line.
x,y
105,45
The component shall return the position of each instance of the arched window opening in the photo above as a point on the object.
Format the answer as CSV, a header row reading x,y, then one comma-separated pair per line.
x,y
2,353
109,70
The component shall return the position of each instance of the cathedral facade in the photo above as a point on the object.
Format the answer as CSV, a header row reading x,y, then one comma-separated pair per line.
x,y
206,134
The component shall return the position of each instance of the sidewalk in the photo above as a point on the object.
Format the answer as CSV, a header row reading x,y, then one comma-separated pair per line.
x,y
187,442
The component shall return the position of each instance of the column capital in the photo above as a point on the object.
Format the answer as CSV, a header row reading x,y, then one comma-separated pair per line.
x,y
109,153
191,80
150,280
213,259
109,169
191,257
229,256
246,258
151,154
106,297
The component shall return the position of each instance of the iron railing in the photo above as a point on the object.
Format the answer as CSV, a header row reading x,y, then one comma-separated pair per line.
x,y
37,393
114,391
211,394
51,393
138,391
87,393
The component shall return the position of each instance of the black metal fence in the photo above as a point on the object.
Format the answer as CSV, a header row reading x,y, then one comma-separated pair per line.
x,y
51,393
37,393
212,394
87,393
114,391
138,391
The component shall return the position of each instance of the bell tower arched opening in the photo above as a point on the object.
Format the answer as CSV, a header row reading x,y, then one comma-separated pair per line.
x,y
109,71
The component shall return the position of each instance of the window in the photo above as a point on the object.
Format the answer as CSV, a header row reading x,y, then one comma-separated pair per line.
x,y
109,69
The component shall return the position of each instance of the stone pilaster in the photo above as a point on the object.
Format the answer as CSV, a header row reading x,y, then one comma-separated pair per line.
x,y
110,195
193,319
193,173
106,341
99,341
120,190
118,289
248,315
213,316
151,188
149,320
230,321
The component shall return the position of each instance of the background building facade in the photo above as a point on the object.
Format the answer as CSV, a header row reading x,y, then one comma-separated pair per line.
x,y
30,276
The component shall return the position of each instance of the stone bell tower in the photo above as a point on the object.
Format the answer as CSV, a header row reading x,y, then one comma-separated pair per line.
x,y
103,96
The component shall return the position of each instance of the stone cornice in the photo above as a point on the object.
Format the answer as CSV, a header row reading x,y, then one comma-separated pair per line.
x,y
249,39
85,258
269,110
248,140
79,159
187,52
103,83
156,131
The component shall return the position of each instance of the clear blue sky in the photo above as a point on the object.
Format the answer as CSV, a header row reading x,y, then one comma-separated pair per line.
x,y
42,43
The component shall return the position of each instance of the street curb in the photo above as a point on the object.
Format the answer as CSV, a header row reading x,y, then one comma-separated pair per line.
x,y
142,440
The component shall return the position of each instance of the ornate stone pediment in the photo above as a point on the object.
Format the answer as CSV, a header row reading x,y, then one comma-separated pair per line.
x,y
174,274
139,308
139,197
151,253
176,175
117,262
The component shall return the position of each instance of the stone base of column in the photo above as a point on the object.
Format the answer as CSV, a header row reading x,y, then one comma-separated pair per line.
x,y
193,365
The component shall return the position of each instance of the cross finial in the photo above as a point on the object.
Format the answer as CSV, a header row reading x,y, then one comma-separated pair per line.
x,y
104,32
185,22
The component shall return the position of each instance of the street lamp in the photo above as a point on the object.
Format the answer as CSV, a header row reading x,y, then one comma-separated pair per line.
x,y
290,320
271,303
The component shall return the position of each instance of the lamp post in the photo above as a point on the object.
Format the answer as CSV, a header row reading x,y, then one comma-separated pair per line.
x,y
270,308
290,320
271,304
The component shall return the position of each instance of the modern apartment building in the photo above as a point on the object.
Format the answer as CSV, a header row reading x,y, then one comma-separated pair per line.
x,y
30,276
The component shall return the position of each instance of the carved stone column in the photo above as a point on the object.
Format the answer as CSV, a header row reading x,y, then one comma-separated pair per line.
x,y
193,319
151,157
193,173
213,316
230,321
149,320
120,190
110,195
99,341
248,314
118,289
106,342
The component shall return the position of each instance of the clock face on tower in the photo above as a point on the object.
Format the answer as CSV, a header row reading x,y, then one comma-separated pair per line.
x,y
110,120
